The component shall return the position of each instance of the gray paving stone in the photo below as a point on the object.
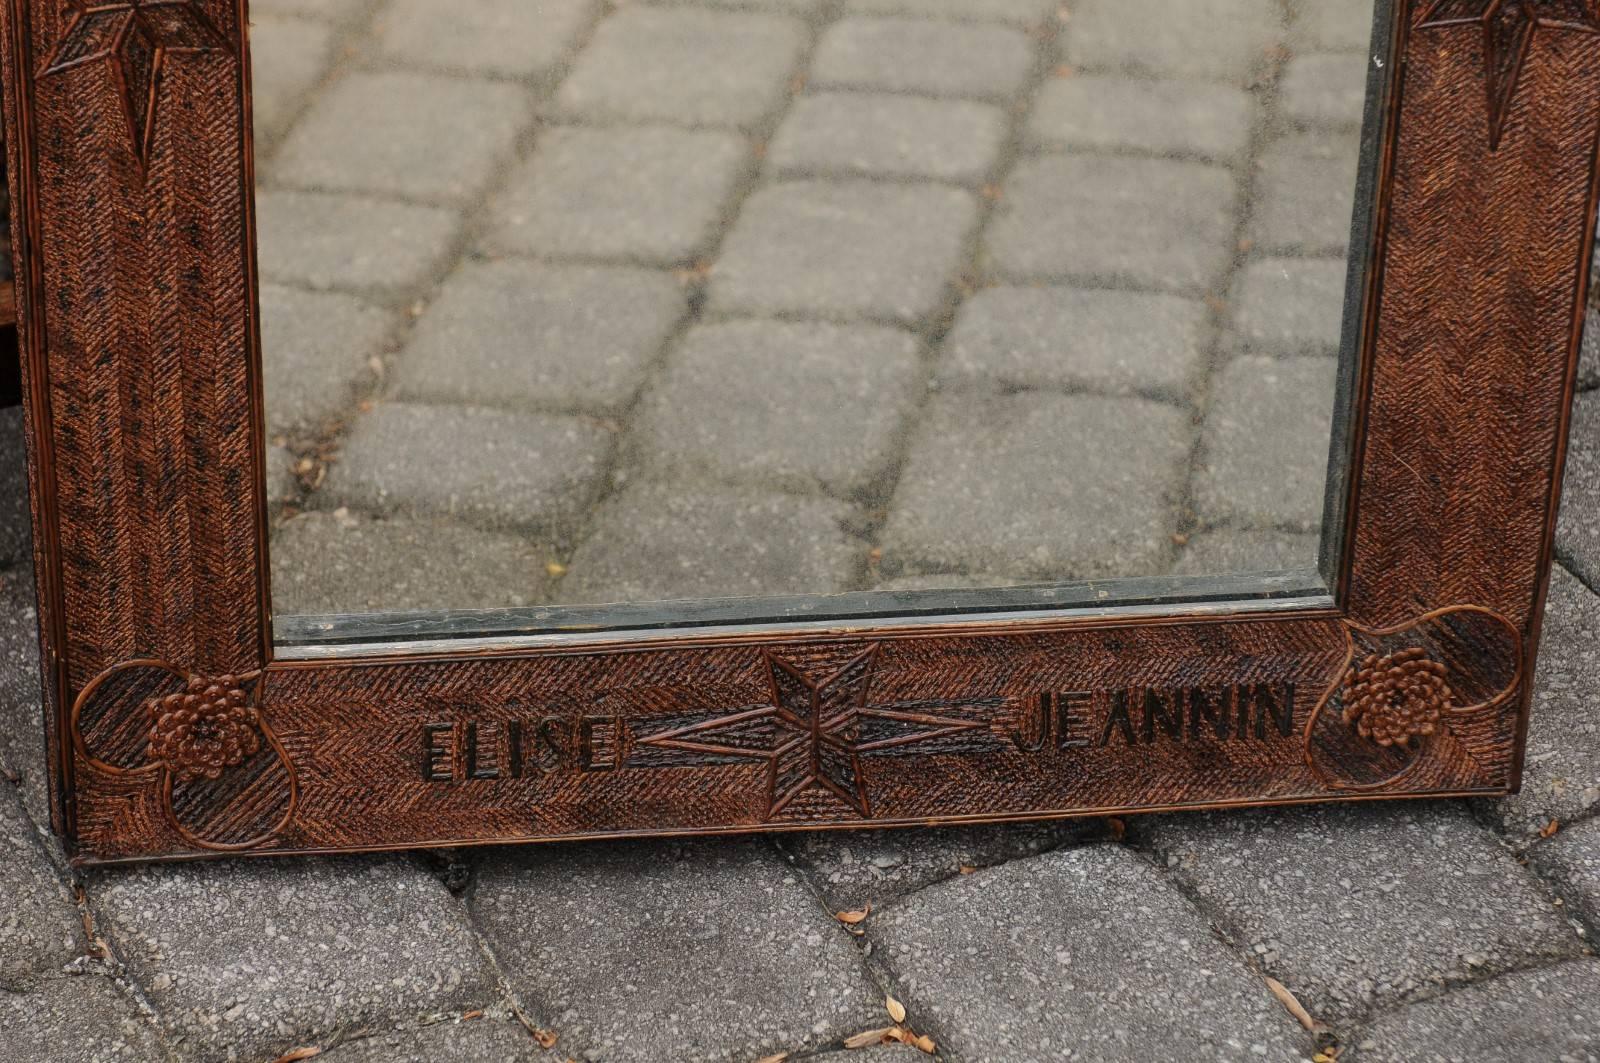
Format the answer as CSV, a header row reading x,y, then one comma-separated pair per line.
x,y
86,1019
855,868
529,335
1086,485
1304,195
1342,27
1325,89
402,134
1290,306
1023,13
250,959
318,350
534,472
639,194
338,11
844,250
287,58
1094,113
890,1053
1151,223
849,134
1080,953
1362,907
1561,775
505,38
490,1039
282,484
346,563
684,66
321,240
986,62
1578,524
1264,452
15,539
1589,351
1224,552
1110,341
662,541
640,950
787,405
40,930
1549,1014
1569,862
1224,40
22,742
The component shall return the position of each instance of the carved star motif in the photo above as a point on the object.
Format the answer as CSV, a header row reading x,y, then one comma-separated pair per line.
x,y
1508,28
810,732
134,38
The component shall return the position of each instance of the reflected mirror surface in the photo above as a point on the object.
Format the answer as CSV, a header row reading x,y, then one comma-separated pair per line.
x,y
572,303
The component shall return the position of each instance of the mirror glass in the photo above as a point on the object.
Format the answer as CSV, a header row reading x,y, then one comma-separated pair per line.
x,y
580,313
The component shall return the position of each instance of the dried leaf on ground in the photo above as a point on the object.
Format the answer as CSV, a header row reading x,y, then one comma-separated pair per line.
x,y
295,1054
868,1038
1550,828
852,918
1287,999
896,1010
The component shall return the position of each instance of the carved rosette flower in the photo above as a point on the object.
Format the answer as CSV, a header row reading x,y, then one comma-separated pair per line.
x,y
204,729
1396,697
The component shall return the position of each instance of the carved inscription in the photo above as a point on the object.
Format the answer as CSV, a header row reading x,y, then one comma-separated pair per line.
x,y
486,750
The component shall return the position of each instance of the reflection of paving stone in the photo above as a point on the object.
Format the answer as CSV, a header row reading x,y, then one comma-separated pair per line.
x,y
1549,1014
1017,12
1570,862
685,66
644,194
403,134
646,949
1088,113
1224,40
477,1040
1118,342
337,241
1287,306
248,959
86,1019
1227,552
1589,352
22,744
855,868
287,57
845,250
1337,27
1013,962
342,563
1578,526
1147,222
507,38
1561,777
849,134
792,7
914,55
1354,907
1056,487
535,472
1265,449
325,10
524,334
795,405
281,483
317,349
15,538
1325,90
1305,195
39,927
660,541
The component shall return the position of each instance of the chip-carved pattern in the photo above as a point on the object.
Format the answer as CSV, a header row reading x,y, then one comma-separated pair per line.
x,y
146,452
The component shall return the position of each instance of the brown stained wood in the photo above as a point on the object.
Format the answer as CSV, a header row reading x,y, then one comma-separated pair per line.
x,y
131,173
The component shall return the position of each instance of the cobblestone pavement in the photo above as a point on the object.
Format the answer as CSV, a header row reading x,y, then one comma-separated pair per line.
x,y
657,299
1410,932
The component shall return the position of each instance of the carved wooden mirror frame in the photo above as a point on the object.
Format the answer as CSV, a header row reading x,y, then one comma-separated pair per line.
x,y
128,127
